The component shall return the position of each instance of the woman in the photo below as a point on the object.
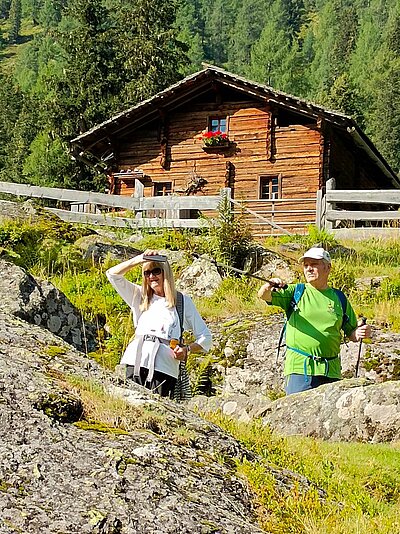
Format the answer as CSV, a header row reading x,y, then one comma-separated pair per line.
x,y
149,359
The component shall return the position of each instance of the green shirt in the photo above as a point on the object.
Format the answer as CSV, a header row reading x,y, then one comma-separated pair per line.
x,y
314,328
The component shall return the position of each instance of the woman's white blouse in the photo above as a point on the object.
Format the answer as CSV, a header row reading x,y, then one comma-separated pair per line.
x,y
161,322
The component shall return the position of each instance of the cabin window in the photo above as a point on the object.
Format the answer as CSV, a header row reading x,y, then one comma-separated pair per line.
x,y
217,124
162,188
270,187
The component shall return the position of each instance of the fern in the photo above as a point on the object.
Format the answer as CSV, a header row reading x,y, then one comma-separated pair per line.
x,y
200,370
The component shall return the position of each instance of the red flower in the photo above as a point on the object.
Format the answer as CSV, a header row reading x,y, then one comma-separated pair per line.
x,y
215,138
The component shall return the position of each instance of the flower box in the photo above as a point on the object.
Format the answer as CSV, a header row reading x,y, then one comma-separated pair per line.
x,y
216,148
215,141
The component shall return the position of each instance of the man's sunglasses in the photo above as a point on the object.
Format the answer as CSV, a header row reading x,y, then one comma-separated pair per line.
x,y
155,272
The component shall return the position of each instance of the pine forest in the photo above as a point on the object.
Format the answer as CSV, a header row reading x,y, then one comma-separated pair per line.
x,y
66,65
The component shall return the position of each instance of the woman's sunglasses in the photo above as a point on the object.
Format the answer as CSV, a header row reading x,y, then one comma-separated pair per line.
x,y
155,272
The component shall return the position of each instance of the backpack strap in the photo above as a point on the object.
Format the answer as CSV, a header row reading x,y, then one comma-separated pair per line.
x,y
298,293
180,308
182,390
343,301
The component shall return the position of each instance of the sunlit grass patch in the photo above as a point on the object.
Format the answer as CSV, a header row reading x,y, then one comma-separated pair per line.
x,y
360,481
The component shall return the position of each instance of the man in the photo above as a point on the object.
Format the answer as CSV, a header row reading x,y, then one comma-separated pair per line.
x,y
313,329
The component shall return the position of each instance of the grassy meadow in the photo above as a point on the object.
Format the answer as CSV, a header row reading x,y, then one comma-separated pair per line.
x,y
360,482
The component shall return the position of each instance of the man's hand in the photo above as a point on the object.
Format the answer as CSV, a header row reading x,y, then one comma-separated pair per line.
x,y
362,332
265,291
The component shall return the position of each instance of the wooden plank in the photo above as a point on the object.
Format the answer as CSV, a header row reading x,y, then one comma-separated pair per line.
x,y
370,196
176,203
342,215
122,222
68,195
134,204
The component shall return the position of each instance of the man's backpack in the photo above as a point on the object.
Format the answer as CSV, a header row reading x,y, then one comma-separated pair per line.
x,y
298,293
182,390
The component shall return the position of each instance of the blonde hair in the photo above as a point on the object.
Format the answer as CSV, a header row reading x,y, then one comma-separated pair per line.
x,y
168,285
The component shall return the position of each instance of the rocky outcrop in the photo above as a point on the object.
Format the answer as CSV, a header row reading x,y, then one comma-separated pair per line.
x,y
252,382
349,410
42,304
64,470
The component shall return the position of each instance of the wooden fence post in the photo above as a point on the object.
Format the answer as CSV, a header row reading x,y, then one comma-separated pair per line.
x,y
138,193
330,185
319,211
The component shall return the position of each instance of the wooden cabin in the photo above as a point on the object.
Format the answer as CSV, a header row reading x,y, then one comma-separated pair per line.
x,y
274,151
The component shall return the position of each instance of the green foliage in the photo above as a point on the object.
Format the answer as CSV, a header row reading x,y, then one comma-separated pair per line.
x,y
275,57
14,16
93,295
228,239
233,296
359,482
343,275
147,47
48,161
320,238
200,368
43,245
169,239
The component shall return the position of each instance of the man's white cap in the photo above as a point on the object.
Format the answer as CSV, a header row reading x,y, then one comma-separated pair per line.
x,y
316,253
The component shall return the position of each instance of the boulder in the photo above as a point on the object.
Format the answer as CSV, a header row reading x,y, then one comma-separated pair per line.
x,y
98,249
170,472
200,279
349,410
273,266
40,303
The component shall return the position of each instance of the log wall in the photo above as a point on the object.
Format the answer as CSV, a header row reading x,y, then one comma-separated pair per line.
x,y
296,154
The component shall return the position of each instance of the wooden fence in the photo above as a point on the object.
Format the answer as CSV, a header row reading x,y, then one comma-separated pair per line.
x,y
330,216
265,217
166,211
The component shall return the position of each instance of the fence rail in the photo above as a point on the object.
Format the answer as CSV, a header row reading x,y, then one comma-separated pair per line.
x,y
367,196
264,216
330,216
113,201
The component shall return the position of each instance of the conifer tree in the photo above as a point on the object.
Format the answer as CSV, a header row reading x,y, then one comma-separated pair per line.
x,y
190,27
15,17
384,121
149,52
276,58
4,8
250,20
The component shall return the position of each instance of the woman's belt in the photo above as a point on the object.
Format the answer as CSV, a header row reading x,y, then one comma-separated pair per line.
x,y
152,357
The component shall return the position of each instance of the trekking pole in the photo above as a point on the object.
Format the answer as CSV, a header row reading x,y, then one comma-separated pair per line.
x,y
363,322
240,271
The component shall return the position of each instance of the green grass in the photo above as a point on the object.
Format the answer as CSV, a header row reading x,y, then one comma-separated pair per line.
x,y
360,482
